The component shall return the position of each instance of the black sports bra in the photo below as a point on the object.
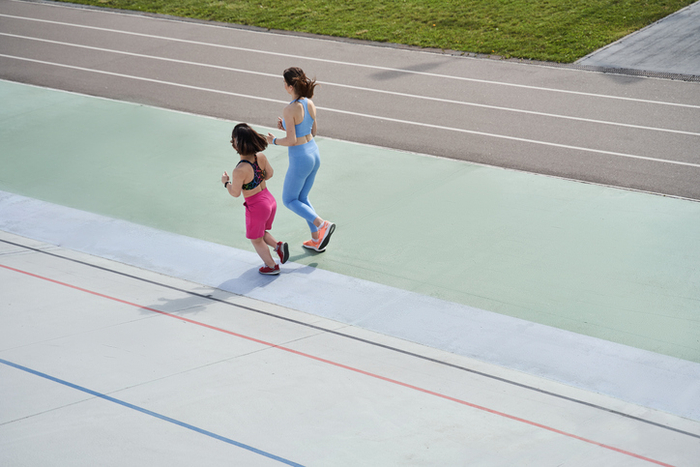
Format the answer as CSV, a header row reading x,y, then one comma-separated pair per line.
x,y
258,175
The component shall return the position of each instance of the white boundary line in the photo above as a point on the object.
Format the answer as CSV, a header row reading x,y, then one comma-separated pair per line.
x,y
337,62
358,88
356,114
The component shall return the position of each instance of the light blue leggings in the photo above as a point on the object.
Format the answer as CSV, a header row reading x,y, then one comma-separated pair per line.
x,y
304,161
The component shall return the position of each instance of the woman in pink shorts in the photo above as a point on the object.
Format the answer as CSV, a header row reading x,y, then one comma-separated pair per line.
x,y
248,177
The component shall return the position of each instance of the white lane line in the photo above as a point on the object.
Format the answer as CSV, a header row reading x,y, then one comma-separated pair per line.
x,y
352,64
356,114
357,88
513,138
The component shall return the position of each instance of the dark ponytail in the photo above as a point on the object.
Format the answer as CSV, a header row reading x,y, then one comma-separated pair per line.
x,y
303,86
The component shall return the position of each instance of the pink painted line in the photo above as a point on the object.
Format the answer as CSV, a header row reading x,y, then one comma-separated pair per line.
x,y
346,367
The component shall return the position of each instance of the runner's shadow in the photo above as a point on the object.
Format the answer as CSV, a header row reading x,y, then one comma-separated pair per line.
x,y
252,279
244,284
247,282
190,304
305,255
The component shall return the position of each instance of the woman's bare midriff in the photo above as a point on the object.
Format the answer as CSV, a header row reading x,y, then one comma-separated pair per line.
x,y
303,140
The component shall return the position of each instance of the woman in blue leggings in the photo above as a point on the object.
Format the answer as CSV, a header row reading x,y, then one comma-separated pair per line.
x,y
299,122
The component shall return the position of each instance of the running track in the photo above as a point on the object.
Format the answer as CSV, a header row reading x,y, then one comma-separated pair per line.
x,y
616,130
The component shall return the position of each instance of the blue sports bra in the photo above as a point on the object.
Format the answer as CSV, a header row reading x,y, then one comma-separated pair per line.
x,y
303,128
258,175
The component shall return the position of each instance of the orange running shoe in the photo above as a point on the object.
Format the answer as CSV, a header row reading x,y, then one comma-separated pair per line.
x,y
313,245
324,234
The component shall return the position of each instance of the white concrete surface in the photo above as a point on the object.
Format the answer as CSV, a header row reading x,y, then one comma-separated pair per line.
x,y
104,363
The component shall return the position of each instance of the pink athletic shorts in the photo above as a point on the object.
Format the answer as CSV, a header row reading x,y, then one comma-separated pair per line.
x,y
260,211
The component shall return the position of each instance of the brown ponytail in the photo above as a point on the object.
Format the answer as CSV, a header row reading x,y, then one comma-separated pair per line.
x,y
303,86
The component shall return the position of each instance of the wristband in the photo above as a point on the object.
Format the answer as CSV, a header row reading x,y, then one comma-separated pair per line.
x,y
274,141
226,184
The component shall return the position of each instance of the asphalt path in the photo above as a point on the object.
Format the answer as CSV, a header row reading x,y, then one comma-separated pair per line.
x,y
618,130
670,46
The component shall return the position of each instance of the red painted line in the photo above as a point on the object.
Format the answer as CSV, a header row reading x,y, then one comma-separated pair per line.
x,y
346,367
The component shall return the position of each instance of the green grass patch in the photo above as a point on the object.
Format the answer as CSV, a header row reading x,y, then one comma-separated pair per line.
x,y
549,30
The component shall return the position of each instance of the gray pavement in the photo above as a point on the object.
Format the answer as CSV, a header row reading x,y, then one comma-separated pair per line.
x,y
670,46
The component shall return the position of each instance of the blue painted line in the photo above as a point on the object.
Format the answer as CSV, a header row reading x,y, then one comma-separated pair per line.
x,y
152,414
